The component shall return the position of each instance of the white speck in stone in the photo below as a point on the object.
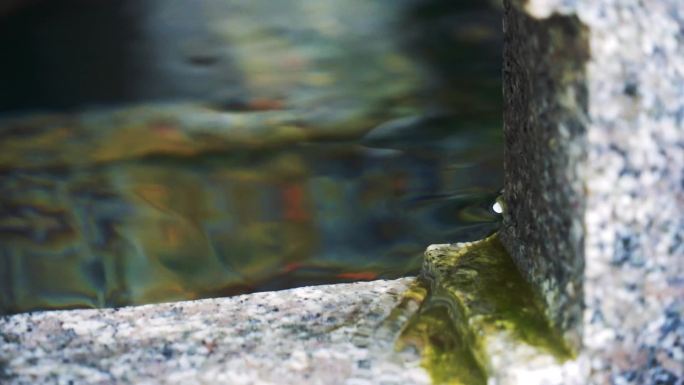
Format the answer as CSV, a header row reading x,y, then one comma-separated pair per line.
x,y
298,360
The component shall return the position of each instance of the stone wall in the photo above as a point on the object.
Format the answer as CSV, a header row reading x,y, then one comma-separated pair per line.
x,y
545,95
595,176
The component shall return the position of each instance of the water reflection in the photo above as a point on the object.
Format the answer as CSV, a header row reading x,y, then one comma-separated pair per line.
x,y
170,227
239,146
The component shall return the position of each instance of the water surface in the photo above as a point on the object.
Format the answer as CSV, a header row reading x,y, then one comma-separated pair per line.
x,y
238,147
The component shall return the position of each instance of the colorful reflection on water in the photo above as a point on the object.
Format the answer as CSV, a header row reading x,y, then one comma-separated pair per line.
x,y
172,227
335,142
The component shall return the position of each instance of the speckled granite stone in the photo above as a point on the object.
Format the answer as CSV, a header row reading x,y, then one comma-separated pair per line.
x,y
622,213
336,334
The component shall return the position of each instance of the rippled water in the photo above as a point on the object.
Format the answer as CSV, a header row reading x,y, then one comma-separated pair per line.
x,y
342,165
167,226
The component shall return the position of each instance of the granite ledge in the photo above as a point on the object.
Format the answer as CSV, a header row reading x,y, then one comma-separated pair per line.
x,y
334,334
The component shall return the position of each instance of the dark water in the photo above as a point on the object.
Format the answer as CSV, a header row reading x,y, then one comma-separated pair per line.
x,y
341,166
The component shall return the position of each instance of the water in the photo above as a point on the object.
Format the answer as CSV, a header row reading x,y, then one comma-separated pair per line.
x,y
372,141
168,226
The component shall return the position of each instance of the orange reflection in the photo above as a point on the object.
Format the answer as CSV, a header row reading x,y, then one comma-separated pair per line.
x,y
360,276
293,199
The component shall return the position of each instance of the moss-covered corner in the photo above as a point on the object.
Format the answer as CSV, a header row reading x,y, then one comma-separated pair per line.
x,y
473,291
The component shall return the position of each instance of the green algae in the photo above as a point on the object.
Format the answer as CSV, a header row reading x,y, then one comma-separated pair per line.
x,y
472,292
448,354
